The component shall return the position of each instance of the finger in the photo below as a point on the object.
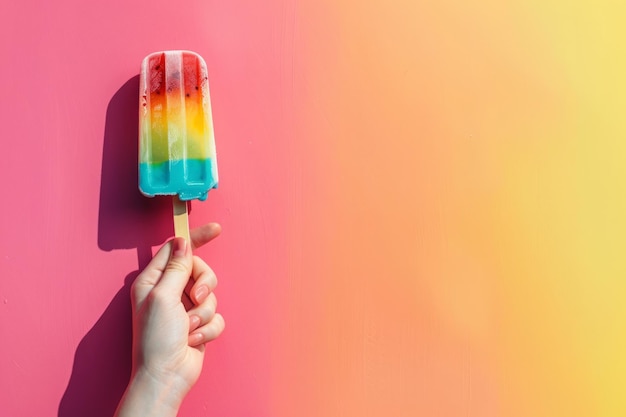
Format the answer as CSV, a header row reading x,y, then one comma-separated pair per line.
x,y
198,288
204,281
203,234
186,298
178,269
202,314
208,332
151,274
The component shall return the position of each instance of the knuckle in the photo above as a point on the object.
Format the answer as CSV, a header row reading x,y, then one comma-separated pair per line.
x,y
216,328
209,278
213,300
177,266
208,315
156,297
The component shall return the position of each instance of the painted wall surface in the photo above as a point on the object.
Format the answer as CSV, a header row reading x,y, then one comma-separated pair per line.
x,y
423,205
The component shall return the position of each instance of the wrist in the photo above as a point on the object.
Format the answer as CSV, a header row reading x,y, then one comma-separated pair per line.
x,y
151,396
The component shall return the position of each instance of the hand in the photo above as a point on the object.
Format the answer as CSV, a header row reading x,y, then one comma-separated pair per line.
x,y
168,337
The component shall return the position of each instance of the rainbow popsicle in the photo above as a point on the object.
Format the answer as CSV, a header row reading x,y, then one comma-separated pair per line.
x,y
176,144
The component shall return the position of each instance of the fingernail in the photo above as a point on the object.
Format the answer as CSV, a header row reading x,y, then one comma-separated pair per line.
x,y
196,337
179,246
202,292
194,322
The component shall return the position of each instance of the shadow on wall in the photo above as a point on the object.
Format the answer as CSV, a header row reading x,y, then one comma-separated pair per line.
x,y
102,362
126,220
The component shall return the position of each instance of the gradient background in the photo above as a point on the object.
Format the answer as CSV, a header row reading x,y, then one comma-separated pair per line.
x,y
423,205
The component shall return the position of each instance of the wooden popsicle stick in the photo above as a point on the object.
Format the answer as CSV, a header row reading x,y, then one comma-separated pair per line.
x,y
181,219
181,229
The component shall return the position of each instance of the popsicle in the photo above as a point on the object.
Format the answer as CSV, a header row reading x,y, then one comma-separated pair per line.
x,y
176,142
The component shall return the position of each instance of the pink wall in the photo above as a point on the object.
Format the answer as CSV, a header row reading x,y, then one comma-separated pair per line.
x,y
74,228
420,200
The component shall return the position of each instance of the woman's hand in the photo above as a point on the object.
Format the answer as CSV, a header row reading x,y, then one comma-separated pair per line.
x,y
174,316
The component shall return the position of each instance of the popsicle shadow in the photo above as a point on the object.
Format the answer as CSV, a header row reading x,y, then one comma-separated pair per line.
x,y
126,220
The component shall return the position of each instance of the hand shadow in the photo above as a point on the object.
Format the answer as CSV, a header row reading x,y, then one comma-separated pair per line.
x,y
126,220
102,362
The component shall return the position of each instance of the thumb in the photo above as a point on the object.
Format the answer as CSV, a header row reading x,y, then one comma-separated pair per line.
x,y
151,275
177,272
170,259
